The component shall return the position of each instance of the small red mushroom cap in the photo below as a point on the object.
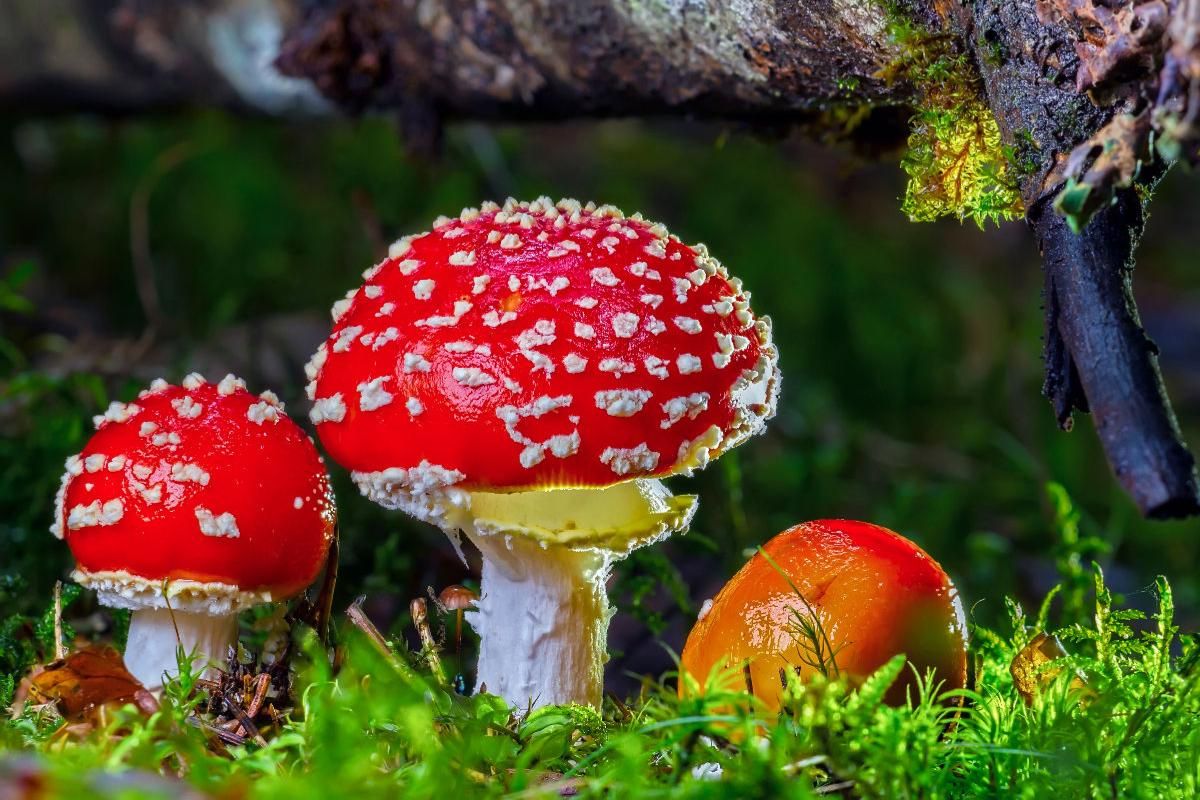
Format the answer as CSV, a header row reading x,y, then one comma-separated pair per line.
x,y
540,345
205,487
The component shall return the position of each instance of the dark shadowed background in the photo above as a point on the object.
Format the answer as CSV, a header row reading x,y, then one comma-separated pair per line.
x,y
911,353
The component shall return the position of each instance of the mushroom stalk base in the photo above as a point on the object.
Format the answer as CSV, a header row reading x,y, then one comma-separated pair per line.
x,y
155,635
543,622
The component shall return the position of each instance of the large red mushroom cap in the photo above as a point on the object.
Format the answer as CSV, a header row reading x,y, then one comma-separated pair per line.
x,y
536,346
204,491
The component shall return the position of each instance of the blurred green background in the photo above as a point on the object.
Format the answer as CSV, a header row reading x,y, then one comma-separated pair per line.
x,y
911,353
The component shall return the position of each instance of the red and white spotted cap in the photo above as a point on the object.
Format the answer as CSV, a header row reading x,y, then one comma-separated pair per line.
x,y
203,494
538,345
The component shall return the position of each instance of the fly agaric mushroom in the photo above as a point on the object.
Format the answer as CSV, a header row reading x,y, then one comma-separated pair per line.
x,y
188,505
525,374
873,594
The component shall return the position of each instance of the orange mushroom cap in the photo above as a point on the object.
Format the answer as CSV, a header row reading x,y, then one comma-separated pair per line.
x,y
457,598
875,594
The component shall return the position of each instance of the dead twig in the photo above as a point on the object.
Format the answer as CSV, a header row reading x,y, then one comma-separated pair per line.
x,y
228,737
1100,360
244,719
429,648
360,620
60,649
262,685
830,788
260,694
324,602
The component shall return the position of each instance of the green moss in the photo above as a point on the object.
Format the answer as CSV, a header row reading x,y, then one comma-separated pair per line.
x,y
848,85
991,49
1115,717
1024,155
957,164
958,167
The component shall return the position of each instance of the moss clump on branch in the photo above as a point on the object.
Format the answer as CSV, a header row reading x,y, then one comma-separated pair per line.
x,y
956,163
958,167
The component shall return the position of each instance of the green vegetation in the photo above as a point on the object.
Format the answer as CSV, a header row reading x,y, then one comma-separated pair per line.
x,y
957,165
1118,718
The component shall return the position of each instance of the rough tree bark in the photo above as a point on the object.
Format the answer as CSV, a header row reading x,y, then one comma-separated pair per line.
x,y
1076,86
1097,356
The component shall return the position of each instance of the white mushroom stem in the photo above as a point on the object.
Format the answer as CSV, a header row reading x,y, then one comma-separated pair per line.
x,y
543,612
543,623
155,635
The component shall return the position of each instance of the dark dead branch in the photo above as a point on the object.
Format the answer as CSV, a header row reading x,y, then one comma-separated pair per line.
x,y
1100,360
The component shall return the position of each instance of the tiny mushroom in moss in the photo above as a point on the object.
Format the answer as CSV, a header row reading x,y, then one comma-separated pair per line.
x,y
457,599
831,596
526,374
188,505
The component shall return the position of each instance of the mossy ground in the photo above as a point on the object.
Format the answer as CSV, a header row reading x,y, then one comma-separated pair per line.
x,y
1118,717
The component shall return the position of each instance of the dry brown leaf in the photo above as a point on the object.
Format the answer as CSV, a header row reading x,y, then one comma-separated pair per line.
x,y
1111,159
1028,671
1116,43
86,681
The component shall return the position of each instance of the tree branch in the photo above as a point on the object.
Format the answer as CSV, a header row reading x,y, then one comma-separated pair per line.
x,y
141,56
511,59
549,59
1099,358
760,61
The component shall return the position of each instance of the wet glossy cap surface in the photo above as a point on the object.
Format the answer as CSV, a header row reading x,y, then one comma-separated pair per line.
x,y
875,592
